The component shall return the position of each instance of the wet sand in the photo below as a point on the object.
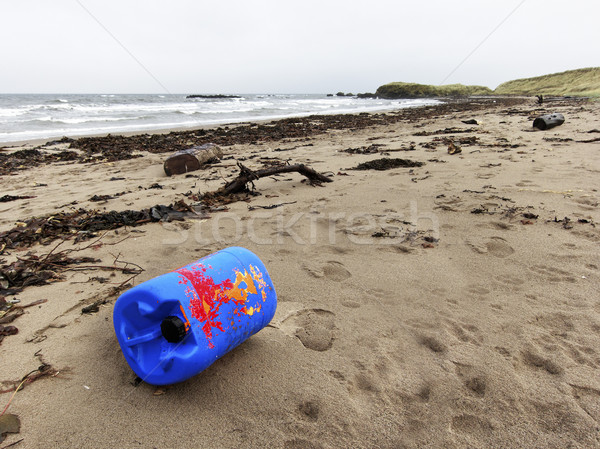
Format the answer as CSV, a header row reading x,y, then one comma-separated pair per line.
x,y
449,305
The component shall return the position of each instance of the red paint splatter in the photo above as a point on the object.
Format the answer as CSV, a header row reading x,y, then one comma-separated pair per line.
x,y
206,297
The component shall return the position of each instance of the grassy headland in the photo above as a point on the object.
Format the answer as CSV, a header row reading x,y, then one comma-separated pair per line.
x,y
414,90
577,83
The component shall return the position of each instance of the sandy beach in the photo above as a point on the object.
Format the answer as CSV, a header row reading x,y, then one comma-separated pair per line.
x,y
453,304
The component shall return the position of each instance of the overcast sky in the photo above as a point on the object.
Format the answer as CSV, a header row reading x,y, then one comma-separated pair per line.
x,y
287,46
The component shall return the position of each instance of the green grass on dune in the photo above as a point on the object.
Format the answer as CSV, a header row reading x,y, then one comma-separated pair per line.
x,y
580,82
576,83
414,90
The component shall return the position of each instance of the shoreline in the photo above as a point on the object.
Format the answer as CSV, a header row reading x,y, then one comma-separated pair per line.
x,y
27,143
161,128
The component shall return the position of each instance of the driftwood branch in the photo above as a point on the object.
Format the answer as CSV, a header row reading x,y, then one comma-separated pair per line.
x,y
247,176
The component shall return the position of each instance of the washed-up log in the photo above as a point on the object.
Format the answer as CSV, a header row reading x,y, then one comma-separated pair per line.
x,y
192,159
247,176
548,121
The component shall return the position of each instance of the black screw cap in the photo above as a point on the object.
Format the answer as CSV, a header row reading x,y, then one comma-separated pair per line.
x,y
173,329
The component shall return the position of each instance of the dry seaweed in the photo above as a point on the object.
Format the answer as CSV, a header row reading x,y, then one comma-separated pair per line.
x,y
84,224
35,270
8,198
44,370
452,130
387,164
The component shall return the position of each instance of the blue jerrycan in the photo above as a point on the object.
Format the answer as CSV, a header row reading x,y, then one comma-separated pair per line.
x,y
174,326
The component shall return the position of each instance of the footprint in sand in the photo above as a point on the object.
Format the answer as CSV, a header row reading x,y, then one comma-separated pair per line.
x,y
309,410
495,246
472,380
588,399
332,270
471,425
313,327
467,333
477,290
433,343
534,359
336,271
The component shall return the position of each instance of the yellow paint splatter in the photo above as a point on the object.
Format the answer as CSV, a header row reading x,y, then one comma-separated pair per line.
x,y
239,294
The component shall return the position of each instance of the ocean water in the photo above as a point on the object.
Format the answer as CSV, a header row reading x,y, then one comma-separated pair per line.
x,y
32,116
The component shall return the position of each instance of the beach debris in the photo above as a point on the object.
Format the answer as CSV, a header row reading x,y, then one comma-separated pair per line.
x,y
368,150
35,270
8,198
9,423
481,210
470,122
530,216
452,130
192,159
9,311
44,370
40,270
7,330
548,121
271,206
387,164
84,224
95,306
597,139
21,159
467,140
98,198
565,222
453,148
239,185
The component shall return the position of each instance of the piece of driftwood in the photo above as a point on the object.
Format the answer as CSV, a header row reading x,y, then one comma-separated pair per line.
x,y
192,159
548,121
246,176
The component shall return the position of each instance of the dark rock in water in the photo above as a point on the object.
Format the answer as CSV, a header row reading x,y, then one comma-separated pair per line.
x,y
217,96
367,95
330,95
341,94
387,164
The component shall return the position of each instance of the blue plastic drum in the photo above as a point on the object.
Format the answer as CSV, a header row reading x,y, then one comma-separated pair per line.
x,y
174,326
